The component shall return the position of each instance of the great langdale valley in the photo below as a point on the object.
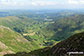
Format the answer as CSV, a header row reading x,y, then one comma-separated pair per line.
x,y
41,28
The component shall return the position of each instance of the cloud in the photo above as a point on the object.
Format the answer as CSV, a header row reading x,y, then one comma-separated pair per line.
x,y
27,2
7,3
43,3
76,2
21,3
13,3
73,2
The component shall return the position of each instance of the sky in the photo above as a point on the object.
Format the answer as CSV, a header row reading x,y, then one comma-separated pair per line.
x,y
41,4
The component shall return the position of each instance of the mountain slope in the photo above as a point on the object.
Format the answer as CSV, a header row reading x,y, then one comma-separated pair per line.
x,y
74,43
19,24
12,42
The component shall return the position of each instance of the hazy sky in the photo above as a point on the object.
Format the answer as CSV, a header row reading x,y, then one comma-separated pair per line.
x,y
41,4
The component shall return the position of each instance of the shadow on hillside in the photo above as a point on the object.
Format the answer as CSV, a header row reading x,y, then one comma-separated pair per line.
x,y
39,52
17,54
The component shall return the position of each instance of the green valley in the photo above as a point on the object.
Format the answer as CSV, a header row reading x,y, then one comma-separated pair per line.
x,y
24,32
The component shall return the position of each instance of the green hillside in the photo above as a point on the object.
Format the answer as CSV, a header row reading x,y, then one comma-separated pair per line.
x,y
65,27
12,42
18,23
